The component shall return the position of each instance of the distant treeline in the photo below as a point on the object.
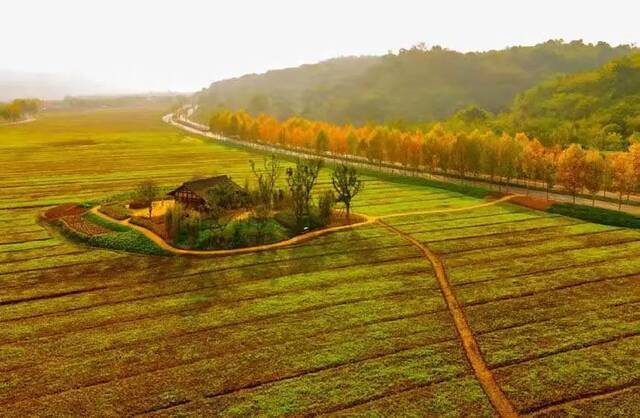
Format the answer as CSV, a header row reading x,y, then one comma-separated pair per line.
x,y
19,109
135,100
414,85
481,154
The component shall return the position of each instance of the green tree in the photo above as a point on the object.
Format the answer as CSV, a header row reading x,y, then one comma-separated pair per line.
x,y
347,184
146,193
301,180
325,206
267,176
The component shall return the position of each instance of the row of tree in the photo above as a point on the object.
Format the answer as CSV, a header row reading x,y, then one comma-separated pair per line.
x,y
479,154
19,109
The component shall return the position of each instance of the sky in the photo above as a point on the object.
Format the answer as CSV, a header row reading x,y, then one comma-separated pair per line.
x,y
184,45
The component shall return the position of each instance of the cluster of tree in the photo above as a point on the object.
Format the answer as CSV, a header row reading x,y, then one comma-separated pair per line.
x,y
19,109
600,109
266,202
481,154
413,85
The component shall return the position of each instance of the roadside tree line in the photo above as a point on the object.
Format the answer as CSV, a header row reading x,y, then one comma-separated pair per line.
x,y
484,155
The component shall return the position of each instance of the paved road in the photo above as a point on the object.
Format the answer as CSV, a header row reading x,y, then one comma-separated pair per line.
x,y
200,129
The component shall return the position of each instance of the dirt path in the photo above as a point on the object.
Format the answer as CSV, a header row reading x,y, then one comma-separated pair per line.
x,y
280,244
497,398
19,122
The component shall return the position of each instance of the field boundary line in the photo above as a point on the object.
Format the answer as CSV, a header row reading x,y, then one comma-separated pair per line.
x,y
586,397
496,396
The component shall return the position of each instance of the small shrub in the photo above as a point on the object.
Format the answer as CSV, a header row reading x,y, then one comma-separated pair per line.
x,y
92,217
116,211
325,207
132,241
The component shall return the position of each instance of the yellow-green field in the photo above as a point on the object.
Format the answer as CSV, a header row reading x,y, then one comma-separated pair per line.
x,y
352,323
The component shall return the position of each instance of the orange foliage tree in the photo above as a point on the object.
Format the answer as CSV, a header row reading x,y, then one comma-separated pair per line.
x,y
485,155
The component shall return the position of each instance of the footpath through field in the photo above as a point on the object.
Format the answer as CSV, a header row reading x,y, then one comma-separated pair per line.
x,y
496,396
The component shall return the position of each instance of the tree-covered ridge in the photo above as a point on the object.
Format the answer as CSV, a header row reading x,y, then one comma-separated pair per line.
x,y
598,108
415,84
283,92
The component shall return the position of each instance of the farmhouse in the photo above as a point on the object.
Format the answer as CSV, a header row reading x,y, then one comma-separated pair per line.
x,y
193,194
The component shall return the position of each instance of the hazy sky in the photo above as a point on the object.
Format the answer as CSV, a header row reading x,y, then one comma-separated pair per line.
x,y
186,44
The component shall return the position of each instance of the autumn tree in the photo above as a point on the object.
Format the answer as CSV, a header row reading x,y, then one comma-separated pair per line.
x,y
459,154
322,141
347,185
548,169
594,170
510,152
490,155
352,143
634,154
622,174
532,160
571,169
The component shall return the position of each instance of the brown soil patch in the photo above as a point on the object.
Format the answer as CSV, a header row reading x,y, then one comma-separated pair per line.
x,y
62,211
531,202
495,195
78,223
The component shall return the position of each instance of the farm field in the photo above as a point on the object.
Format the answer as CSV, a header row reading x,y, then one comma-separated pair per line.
x,y
351,323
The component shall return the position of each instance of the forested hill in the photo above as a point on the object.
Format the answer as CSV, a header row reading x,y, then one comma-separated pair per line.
x,y
599,108
285,92
413,85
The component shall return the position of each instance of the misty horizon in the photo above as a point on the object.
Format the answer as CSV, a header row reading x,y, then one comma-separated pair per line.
x,y
148,46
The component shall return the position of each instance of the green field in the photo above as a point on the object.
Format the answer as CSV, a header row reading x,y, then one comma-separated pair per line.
x,y
351,323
